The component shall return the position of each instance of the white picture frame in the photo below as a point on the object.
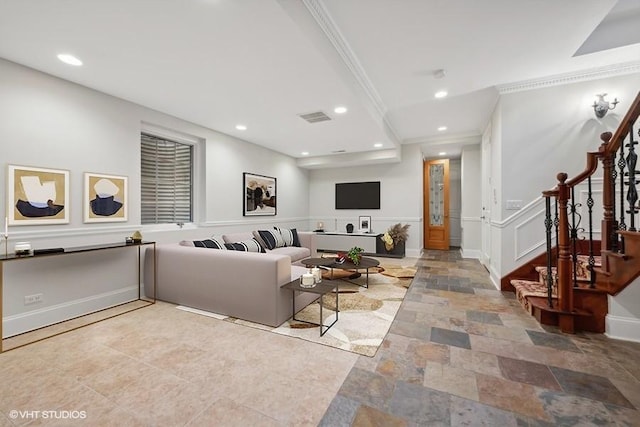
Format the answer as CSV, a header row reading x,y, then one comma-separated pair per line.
x,y
105,198
364,223
37,196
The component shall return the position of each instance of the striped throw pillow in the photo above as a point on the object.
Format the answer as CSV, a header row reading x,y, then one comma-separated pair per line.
x,y
290,236
271,238
250,245
212,243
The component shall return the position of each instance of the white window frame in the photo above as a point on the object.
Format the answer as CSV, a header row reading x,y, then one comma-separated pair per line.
x,y
197,190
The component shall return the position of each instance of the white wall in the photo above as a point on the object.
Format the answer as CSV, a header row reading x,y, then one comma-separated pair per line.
x,y
623,319
549,130
51,123
401,196
471,209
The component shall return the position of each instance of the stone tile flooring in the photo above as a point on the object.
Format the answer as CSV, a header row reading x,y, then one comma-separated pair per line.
x,y
462,353
458,353
159,366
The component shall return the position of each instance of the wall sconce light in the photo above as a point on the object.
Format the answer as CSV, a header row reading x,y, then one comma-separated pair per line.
x,y
600,106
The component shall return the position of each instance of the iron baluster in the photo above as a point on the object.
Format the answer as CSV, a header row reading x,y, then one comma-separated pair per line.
x,y
614,233
622,224
573,235
592,260
632,192
556,223
548,224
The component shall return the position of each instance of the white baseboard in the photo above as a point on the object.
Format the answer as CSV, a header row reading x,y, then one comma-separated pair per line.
x,y
413,253
25,322
494,276
470,253
622,328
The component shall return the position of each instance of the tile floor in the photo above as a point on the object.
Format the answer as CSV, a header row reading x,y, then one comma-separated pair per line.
x,y
458,353
159,366
462,353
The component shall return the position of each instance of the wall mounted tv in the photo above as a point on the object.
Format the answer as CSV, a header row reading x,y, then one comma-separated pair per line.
x,y
358,195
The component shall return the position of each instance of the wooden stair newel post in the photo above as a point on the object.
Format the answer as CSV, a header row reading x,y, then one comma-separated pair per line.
x,y
565,287
608,220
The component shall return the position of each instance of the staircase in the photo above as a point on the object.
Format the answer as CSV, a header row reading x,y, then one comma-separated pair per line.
x,y
568,285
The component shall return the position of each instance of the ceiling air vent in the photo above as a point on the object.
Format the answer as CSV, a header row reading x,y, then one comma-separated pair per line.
x,y
316,117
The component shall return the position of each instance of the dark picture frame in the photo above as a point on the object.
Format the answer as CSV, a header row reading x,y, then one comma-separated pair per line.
x,y
259,195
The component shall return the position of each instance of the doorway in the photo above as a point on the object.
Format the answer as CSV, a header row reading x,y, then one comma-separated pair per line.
x,y
436,204
485,254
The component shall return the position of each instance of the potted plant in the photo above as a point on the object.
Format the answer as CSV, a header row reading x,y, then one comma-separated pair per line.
x,y
395,237
354,254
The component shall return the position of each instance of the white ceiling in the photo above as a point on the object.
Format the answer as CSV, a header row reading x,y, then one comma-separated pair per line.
x,y
219,63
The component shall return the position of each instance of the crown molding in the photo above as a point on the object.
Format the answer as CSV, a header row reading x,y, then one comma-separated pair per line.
x,y
459,138
393,155
321,15
573,77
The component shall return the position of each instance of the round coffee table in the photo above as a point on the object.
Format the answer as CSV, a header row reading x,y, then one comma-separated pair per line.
x,y
365,264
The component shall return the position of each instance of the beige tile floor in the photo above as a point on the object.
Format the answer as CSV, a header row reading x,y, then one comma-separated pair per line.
x,y
166,367
458,353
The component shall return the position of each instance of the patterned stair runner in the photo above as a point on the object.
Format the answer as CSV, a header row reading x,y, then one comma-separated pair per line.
x,y
530,288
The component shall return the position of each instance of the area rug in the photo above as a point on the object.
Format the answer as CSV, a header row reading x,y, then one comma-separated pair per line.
x,y
364,318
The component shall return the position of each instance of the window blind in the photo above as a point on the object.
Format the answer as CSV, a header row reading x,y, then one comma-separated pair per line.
x,y
166,179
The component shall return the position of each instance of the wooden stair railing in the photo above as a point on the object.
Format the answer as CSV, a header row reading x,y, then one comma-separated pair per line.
x,y
620,262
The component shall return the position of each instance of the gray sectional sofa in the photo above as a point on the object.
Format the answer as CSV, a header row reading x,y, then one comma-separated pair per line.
x,y
244,285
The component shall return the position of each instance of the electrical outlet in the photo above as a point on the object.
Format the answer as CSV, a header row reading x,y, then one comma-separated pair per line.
x,y
33,299
514,205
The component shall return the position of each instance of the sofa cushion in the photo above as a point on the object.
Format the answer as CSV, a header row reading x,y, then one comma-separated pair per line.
x,y
272,238
250,245
295,253
237,237
290,236
212,243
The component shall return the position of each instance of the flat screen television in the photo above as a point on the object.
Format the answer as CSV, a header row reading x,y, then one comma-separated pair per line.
x,y
358,195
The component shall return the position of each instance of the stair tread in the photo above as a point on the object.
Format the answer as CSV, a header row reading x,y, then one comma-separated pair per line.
x,y
526,289
582,268
542,304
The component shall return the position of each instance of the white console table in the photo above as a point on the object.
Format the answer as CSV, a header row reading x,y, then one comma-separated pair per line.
x,y
332,241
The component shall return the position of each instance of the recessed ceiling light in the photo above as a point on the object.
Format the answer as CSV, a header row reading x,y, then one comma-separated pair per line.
x,y
438,74
241,127
69,59
442,128
305,153
441,94
340,110
442,153
378,144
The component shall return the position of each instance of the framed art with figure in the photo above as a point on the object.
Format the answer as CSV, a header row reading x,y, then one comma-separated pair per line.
x,y
259,195
105,198
365,224
37,196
